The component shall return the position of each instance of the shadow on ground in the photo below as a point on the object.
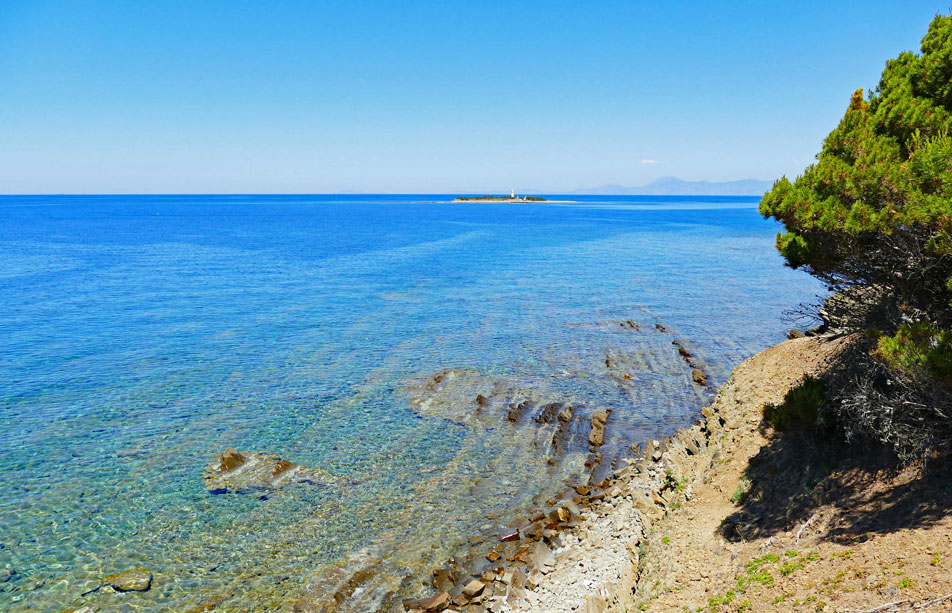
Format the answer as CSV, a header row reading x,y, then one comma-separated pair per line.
x,y
850,491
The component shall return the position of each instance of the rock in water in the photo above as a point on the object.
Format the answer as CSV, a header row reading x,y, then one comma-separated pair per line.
x,y
231,459
135,580
596,437
437,603
237,472
699,377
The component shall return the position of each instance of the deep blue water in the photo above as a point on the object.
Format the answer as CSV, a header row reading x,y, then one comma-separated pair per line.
x,y
142,335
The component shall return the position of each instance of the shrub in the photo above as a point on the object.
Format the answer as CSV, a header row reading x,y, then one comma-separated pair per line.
x,y
872,218
800,407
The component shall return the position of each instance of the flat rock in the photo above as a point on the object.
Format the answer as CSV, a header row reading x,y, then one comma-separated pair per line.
x,y
473,588
135,580
437,603
235,472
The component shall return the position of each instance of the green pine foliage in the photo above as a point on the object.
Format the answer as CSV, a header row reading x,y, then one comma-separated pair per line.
x,y
886,169
874,214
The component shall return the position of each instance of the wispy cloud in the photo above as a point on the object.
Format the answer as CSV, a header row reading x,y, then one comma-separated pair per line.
x,y
649,161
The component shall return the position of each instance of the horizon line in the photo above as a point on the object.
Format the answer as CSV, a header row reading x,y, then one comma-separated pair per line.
x,y
576,193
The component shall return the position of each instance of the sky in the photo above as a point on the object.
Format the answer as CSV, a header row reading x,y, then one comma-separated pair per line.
x,y
428,97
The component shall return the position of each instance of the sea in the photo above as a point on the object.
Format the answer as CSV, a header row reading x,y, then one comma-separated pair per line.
x,y
380,339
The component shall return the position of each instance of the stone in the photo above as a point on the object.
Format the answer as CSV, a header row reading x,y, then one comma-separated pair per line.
x,y
596,437
443,579
135,580
582,490
642,501
436,603
549,413
510,536
794,333
699,377
492,556
534,531
632,548
6,574
542,556
473,588
230,460
257,471
516,410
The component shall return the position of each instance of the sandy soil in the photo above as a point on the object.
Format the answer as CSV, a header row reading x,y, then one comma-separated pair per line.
x,y
787,521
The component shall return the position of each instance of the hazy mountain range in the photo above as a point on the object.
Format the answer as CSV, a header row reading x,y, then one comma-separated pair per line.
x,y
672,186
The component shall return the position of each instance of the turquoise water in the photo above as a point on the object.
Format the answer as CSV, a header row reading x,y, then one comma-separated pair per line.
x,y
142,335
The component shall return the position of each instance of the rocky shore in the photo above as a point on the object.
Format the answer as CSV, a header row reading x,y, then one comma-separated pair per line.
x,y
724,515
679,527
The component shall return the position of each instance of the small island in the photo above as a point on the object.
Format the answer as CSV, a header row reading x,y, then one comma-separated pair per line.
x,y
510,198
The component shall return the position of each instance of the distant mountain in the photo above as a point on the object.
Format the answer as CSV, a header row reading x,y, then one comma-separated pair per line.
x,y
672,186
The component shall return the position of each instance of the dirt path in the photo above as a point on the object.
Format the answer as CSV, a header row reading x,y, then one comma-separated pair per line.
x,y
779,522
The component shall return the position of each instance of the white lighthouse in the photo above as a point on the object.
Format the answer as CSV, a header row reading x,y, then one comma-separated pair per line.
x,y
512,194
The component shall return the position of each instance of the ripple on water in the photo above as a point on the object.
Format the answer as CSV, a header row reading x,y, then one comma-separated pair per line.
x,y
139,346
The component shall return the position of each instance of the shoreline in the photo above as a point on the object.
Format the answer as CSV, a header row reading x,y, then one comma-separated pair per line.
x,y
613,547
556,429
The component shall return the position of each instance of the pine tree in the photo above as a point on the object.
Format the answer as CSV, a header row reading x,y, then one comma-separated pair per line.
x,y
872,218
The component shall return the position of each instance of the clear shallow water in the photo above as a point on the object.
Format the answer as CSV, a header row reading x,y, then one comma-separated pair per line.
x,y
143,335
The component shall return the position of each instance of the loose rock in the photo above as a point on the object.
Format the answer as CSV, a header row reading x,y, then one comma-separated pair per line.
x,y
596,437
135,580
473,588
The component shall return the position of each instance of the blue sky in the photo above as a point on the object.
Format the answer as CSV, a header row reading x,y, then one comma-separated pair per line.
x,y
309,97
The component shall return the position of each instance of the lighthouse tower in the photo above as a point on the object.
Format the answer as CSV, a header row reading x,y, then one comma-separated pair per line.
x,y
512,194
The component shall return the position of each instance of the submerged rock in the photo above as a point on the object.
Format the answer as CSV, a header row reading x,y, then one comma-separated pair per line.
x,y
699,377
135,580
516,410
436,603
237,472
